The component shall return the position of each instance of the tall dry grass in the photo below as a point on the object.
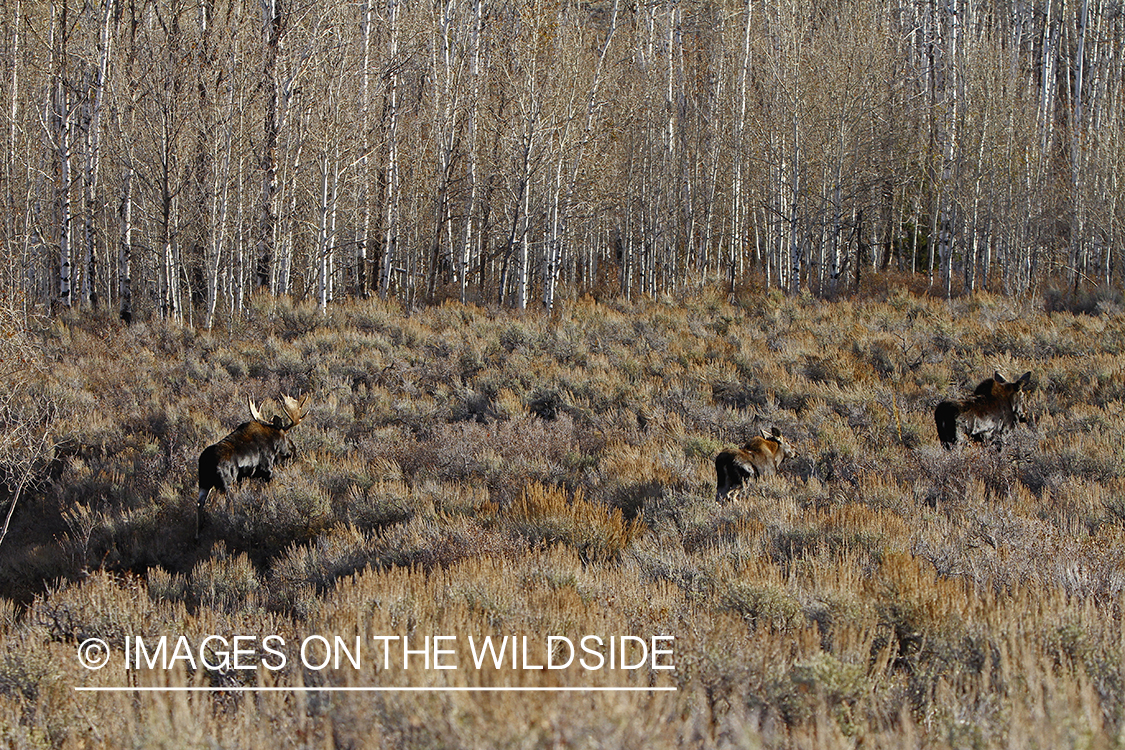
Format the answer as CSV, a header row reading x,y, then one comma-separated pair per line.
x,y
472,472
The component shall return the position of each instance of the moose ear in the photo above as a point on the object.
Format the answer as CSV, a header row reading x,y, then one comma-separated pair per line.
x,y
775,432
765,433
1024,379
998,377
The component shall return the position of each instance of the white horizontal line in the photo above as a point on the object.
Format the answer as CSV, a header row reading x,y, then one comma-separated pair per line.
x,y
241,689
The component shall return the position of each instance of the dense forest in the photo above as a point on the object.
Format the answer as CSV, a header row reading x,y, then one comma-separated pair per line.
x,y
171,158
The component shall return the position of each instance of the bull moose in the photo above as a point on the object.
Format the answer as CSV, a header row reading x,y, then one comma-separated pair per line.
x,y
251,450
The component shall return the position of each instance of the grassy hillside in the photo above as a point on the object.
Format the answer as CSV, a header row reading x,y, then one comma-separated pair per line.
x,y
468,472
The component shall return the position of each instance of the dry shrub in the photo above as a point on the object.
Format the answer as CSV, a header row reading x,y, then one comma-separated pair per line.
x,y
737,395
821,682
381,504
881,592
269,517
548,515
664,464
100,606
305,572
228,583
763,605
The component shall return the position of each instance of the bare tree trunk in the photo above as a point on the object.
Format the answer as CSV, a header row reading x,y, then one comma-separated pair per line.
x,y
531,117
562,198
288,193
737,210
469,240
390,242
125,258
239,274
10,160
447,137
93,155
58,116
328,182
213,259
365,172
169,303
1078,156
273,15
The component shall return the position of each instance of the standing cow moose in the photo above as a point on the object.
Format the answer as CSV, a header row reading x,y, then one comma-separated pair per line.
x,y
250,451
994,408
760,457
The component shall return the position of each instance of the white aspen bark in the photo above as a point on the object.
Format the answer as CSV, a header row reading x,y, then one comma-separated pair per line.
x,y
666,199
447,132
468,239
265,270
58,115
1112,233
524,262
837,200
974,249
9,157
390,240
289,191
93,155
335,204
775,210
706,239
125,206
239,276
625,243
1079,157
1047,90
554,242
793,282
683,250
125,258
565,195
218,215
322,235
169,308
950,149
646,241
364,198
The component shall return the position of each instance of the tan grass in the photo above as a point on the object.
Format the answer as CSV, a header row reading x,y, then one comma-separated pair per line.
x,y
879,592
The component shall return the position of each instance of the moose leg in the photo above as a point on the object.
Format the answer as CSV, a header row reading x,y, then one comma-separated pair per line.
x,y
264,469
200,518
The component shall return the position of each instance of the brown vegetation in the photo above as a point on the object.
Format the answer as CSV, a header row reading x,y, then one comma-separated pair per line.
x,y
474,472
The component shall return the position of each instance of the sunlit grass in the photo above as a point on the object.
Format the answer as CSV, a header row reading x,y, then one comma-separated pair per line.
x,y
466,471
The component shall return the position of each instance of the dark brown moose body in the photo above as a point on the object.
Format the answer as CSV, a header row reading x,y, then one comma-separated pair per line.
x,y
994,408
252,450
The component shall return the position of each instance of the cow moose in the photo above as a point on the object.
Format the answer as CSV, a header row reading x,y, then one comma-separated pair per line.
x,y
251,450
994,408
760,457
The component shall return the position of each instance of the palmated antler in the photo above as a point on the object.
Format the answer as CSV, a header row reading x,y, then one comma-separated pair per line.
x,y
254,412
296,410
